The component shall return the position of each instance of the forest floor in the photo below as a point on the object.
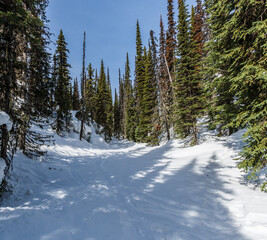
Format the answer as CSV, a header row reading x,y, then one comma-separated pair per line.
x,y
128,191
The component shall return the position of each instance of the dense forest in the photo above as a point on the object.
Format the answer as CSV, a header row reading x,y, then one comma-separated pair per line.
x,y
210,62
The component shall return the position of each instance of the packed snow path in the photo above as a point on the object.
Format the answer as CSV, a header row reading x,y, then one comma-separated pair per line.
x,y
129,191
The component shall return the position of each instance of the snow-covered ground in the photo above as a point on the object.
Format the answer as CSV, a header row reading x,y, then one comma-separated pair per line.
x,y
4,119
127,191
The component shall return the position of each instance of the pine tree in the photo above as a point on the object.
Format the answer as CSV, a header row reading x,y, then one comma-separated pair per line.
x,y
187,82
122,106
116,116
199,27
90,93
139,69
129,103
101,98
109,110
75,96
150,120
170,38
237,62
62,95
165,85
139,80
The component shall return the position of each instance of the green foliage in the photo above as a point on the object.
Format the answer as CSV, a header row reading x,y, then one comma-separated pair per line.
x,y
90,93
170,38
150,107
62,76
101,97
109,109
238,53
129,103
187,84
116,116
104,104
75,96
139,71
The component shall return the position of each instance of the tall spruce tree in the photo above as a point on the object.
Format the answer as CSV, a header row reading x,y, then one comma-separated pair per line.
x,y
90,93
165,85
139,81
170,38
198,24
129,103
101,101
109,110
139,69
121,106
75,96
62,94
116,116
237,63
186,85
150,120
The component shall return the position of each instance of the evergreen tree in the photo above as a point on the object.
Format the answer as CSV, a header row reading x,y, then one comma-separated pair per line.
x,y
165,85
121,106
198,24
155,87
90,93
129,103
24,82
101,101
237,63
139,70
75,96
139,80
52,100
170,38
62,94
150,120
187,82
109,110
116,116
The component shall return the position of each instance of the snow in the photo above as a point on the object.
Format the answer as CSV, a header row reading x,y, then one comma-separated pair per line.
x,y
99,191
2,169
4,119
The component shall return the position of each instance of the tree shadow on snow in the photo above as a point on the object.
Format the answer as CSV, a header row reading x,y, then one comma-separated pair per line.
x,y
182,203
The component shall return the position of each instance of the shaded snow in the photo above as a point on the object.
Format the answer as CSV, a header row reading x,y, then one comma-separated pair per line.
x,y
122,191
4,119
2,169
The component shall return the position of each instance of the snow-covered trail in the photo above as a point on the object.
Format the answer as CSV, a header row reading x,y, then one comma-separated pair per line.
x,y
130,191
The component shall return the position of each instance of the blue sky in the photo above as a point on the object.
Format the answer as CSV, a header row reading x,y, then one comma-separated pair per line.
x,y
110,29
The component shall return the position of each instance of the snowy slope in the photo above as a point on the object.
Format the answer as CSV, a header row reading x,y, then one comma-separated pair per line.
x,y
4,119
126,191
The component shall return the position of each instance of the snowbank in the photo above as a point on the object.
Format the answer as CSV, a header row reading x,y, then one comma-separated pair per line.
x,y
90,132
4,119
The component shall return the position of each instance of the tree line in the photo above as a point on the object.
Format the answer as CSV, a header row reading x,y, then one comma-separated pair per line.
x,y
210,63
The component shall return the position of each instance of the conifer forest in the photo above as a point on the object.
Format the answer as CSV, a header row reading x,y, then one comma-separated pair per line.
x,y
206,66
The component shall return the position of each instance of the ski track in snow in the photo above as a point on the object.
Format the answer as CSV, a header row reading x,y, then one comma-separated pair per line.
x,y
128,191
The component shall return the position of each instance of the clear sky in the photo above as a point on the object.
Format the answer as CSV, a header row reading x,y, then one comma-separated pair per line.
x,y
110,29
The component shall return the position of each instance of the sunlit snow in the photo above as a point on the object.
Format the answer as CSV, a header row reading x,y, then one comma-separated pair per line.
x,y
128,191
